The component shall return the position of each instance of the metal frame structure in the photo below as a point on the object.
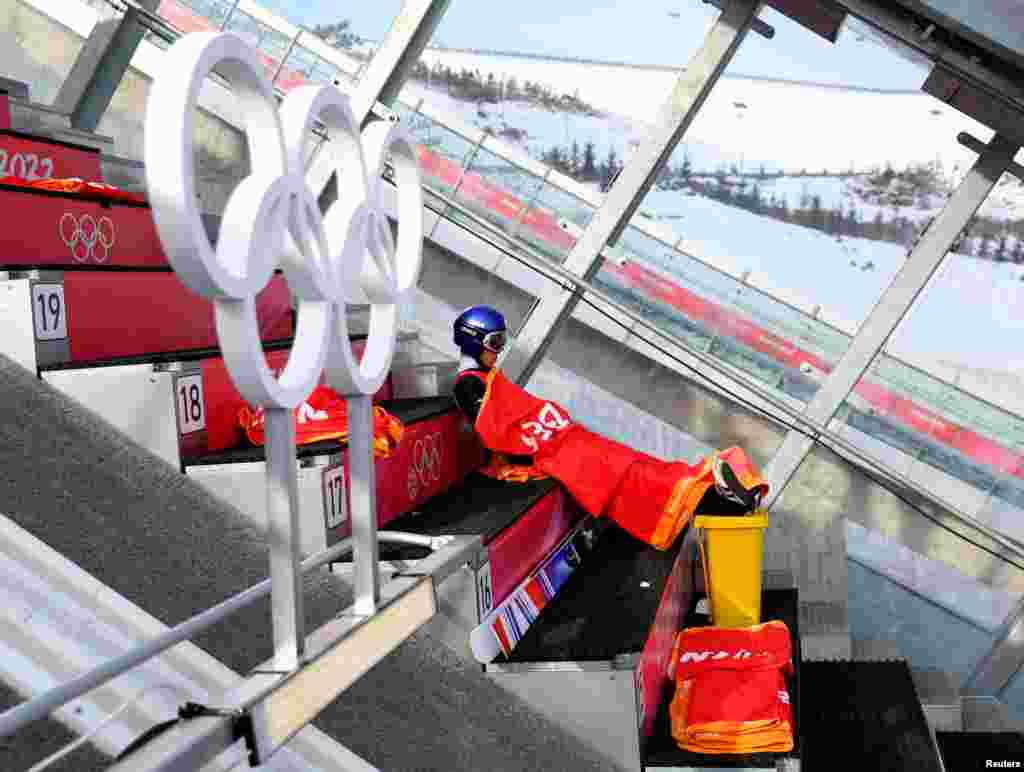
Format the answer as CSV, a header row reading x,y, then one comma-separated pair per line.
x,y
692,89
264,709
892,306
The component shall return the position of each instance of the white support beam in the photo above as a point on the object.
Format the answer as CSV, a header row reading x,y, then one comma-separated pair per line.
x,y
88,89
674,118
894,303
381,81
403,45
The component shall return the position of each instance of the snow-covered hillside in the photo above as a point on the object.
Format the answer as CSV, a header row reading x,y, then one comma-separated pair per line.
x,y
847,131
792,127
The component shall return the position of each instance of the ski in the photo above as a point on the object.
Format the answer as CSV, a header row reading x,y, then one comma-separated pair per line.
x,y
506,625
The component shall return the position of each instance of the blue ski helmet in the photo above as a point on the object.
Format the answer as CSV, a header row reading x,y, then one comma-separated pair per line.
x,y
478,328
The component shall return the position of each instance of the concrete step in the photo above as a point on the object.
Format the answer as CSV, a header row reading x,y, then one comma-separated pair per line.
x,y
824,630
939,693
988,714
44,121
938,690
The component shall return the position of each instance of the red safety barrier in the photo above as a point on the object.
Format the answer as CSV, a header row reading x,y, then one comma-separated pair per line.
x,y
37,158
520,547
115,315
71,232
434,455
652,671
221,401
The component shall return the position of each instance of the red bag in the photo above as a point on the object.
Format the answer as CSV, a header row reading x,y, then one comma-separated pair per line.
x,y
324,416
731,695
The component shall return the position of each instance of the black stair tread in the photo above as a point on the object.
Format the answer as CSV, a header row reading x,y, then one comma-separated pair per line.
x,y
408,411
662,749
968,751
478,506
603,610
869,710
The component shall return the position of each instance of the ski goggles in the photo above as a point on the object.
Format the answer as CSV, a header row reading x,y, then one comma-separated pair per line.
x,y
495,341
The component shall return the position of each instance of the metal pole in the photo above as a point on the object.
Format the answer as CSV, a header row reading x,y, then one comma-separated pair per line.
x,y
228,15
891,307
291,47
283,537
692,89
39,707
363,497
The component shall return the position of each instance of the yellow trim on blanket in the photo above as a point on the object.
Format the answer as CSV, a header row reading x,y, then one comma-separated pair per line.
x,y
686,495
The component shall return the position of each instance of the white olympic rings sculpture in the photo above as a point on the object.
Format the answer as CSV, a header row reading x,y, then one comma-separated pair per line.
x,y
83,235
273,219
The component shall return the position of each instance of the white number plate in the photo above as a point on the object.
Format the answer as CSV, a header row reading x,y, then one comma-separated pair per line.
x,y
484,591
191,412
49,312
335,496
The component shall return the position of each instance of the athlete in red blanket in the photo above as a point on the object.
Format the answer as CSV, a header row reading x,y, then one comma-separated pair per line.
x,y
531,438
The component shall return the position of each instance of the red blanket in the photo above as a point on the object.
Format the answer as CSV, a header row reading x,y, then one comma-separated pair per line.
x,y
324,416
76,185
650,498
731,694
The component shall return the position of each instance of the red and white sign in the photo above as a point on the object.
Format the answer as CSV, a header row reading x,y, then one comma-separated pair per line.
x,y
161,314
72,233
34,158
652,671
519,548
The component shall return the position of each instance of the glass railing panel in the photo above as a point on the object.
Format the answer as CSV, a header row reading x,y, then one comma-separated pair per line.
x,y
632,388
578,113
271,44
898,595
550,220
497,190
303,66
195,15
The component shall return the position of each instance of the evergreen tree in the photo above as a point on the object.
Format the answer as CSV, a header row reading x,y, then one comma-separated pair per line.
x,y
512,89
1000,254
878,226
338,35
588,171
1018,251
817,213
755,198
574,159
687,168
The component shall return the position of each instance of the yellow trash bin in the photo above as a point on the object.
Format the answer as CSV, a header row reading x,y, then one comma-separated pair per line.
x,y
732,567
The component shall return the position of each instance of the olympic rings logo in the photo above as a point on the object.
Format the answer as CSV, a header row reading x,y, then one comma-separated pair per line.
x,y
343,256
426,465
86,237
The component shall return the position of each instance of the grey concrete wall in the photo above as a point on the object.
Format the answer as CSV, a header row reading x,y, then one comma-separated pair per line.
x,y
41,52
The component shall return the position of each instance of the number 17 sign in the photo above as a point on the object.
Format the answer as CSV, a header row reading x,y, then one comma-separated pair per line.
x,y
335,496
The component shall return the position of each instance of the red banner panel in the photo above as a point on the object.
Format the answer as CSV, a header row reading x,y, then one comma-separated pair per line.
x,y
221,399
652,672
434,455
517,550
5,111
38,158
65,231
112,315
